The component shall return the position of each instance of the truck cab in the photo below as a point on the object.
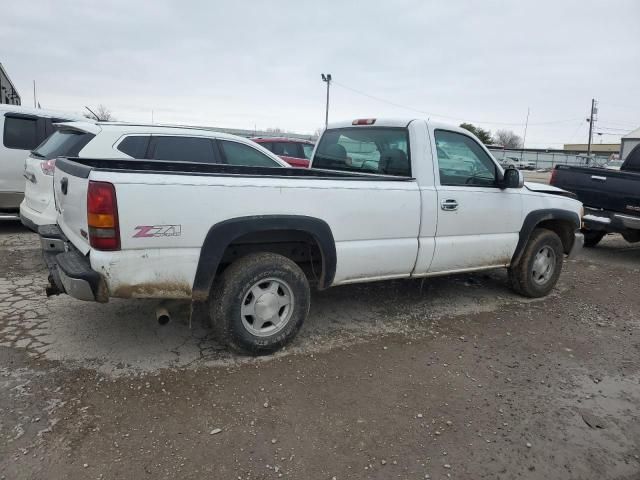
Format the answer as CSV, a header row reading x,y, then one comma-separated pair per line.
x,y
470,214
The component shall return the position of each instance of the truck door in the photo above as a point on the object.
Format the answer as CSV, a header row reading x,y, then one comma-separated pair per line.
x,y
478,223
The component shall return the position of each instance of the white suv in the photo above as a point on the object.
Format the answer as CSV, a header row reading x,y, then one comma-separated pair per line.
x,y
22,129
126,141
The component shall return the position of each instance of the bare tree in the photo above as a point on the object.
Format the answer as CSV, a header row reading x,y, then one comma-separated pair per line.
x,y
101,113
507,139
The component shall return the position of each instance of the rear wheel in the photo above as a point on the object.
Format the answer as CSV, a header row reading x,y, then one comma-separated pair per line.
x,y
592,237
540,266
259,303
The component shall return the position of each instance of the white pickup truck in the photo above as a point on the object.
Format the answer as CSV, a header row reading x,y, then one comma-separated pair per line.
x,y
384,199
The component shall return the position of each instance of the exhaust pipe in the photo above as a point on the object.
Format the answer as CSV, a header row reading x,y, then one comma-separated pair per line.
x,y
162,315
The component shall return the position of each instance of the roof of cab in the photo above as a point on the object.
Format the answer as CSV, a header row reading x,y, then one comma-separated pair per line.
x,y
396,122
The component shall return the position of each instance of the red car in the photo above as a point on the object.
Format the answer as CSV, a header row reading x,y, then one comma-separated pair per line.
x,y
294,151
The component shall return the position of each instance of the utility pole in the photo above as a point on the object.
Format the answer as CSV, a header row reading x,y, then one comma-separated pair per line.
x,y
524,137
34,94
591,119
327,79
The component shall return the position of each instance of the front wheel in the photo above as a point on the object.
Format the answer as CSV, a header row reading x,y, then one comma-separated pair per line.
x,y
539,268
259,303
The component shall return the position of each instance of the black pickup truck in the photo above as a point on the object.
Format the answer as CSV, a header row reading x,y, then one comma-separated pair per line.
x,y
611,198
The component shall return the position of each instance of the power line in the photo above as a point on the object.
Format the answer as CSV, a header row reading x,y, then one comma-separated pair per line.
x,y
620,123
626,130
432,114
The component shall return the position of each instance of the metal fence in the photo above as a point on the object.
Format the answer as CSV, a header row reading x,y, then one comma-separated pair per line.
x,y
547,160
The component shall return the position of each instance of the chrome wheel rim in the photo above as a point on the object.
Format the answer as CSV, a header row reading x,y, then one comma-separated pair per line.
x,y
544,265
267,307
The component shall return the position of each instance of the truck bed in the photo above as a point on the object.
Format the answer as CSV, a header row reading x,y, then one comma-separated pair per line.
x,y
600,188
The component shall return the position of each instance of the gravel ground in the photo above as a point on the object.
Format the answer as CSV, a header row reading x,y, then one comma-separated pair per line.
x,y
444,378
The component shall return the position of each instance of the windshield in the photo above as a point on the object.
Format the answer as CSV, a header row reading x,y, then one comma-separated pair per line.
x,y
66,143
383,150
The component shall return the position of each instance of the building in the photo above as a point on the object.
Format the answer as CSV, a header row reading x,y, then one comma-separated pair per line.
x,y
8,92
629,142
595,147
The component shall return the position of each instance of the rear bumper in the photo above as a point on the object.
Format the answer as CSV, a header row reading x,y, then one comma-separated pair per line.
x,y
69,271
608,221
28,223
32,219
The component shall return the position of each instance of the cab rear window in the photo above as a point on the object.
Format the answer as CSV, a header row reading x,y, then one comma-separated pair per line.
x,y
381,150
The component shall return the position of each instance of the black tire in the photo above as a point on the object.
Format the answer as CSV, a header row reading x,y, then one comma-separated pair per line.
x,y
233,289
521,275
592,237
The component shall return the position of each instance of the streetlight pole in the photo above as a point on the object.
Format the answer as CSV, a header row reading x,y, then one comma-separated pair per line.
x,y
594,110
327,79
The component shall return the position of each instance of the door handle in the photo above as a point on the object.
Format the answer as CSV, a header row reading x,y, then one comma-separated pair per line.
x,y
598,178
449,205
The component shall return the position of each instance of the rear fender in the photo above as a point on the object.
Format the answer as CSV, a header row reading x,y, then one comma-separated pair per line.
x,y
221,235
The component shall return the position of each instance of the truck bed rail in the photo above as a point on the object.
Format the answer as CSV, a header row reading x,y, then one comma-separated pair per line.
x,y
81,167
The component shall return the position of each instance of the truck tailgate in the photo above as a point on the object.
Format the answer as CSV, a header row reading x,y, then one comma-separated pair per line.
x,y
71,203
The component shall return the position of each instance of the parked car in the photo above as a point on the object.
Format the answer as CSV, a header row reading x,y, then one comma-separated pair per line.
x,y
23,129
125,141
611,197
518,163
613,164
245,243
296,152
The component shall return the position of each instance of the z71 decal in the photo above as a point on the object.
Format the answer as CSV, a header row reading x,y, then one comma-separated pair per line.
x,y
150,231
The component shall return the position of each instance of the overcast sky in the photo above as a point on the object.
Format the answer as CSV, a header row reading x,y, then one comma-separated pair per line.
x,y
258,64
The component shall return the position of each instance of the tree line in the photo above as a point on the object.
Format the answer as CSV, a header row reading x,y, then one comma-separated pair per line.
x,y
504,138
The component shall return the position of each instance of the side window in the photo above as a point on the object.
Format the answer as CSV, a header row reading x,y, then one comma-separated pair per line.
x,y
241,154
183,149
134,145
21,133
288,149
462,162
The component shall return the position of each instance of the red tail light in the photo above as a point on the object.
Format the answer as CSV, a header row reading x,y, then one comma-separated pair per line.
x,y
102,216
552,179
48,166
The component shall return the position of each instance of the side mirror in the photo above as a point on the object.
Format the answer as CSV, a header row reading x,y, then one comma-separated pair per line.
x,y
512,178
